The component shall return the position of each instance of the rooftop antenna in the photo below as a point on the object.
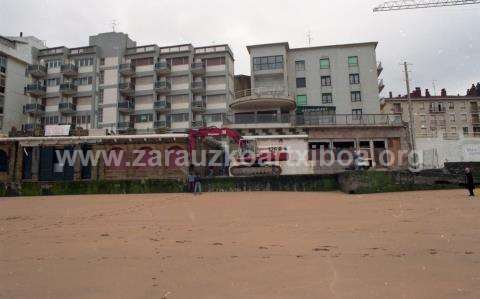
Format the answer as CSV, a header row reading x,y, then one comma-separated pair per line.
x,y
114,25
309,38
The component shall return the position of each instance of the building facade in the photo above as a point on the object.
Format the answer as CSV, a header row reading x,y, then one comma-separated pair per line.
x,y
116,85
446,128
16,53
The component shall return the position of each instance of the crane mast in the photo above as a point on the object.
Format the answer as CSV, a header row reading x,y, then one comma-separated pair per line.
x,y
416,4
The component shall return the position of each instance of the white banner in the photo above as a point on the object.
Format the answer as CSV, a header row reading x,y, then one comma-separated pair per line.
x,y
57,130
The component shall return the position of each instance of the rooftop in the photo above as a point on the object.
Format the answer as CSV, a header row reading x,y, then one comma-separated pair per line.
x,y
286,45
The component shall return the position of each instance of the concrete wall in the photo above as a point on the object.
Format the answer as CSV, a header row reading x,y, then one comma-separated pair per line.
x,y
437,151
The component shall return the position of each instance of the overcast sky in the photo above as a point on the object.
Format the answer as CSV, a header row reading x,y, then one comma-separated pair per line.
x,y
442,44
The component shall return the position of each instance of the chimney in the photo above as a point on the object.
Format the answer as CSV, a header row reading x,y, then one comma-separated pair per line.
x,y
427,93
444,92
390,94
21,34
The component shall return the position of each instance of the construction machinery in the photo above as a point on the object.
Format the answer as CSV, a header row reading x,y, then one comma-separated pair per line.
x,y
417,4
244,159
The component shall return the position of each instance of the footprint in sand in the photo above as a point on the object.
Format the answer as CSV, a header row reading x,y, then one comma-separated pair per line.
x,y
469,252
263,248
433,251
217,244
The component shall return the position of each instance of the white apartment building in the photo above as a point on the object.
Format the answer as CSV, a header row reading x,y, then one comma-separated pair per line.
x,y
114,84
15,54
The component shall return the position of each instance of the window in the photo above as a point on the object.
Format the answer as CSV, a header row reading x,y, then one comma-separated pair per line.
x,y
354,79
142,61
180,117
327,98
324,63
84,62
356,96
215,61
143,118
83,81
212,118
301,100
178,61
100,96
453,129
451,105
301,83
357,111
101,77
465,131
326,81
81,119
464,117
300,65
422,106
452,118
102,61
268,63
100,115
353,61
55,63
53,82
3,161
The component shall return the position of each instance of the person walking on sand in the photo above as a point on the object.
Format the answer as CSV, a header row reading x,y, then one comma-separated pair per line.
x,y
469,182
197,189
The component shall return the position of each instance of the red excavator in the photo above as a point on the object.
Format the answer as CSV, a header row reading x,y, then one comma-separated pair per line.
x,y
245,160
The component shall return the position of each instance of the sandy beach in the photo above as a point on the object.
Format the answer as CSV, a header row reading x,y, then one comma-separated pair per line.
x,y
241,245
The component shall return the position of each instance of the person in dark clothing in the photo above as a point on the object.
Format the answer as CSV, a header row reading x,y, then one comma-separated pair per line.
x,y
469,182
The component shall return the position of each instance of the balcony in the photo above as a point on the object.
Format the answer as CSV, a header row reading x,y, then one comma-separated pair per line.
x,y
161,124
68,89
199,106
379,69
198,86
2,101
198,124
127,69
474,110
67,108
36,90
37,70
34,109
125,126
263,98
126,89
69,70
381,86
126,106
451,136
162,106
30,128
198,68
163,68
163,87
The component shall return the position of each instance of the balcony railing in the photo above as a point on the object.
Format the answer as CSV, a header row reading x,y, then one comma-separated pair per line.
x,y
198,124
68,88
67,108
379,68
37,70
161,105
163,68
126,88
69,69
472,134
126,106
271,92
316,120
34,109
198,86
451,136
127,69
161,124
36,90
163,87
31,127
199,106
381,85
198,68
474,110
124,125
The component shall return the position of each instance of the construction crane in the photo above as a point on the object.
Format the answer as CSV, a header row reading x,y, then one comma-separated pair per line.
x,y
416,4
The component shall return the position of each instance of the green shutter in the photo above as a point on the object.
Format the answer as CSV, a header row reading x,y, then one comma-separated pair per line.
x,y
301,100
324,63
